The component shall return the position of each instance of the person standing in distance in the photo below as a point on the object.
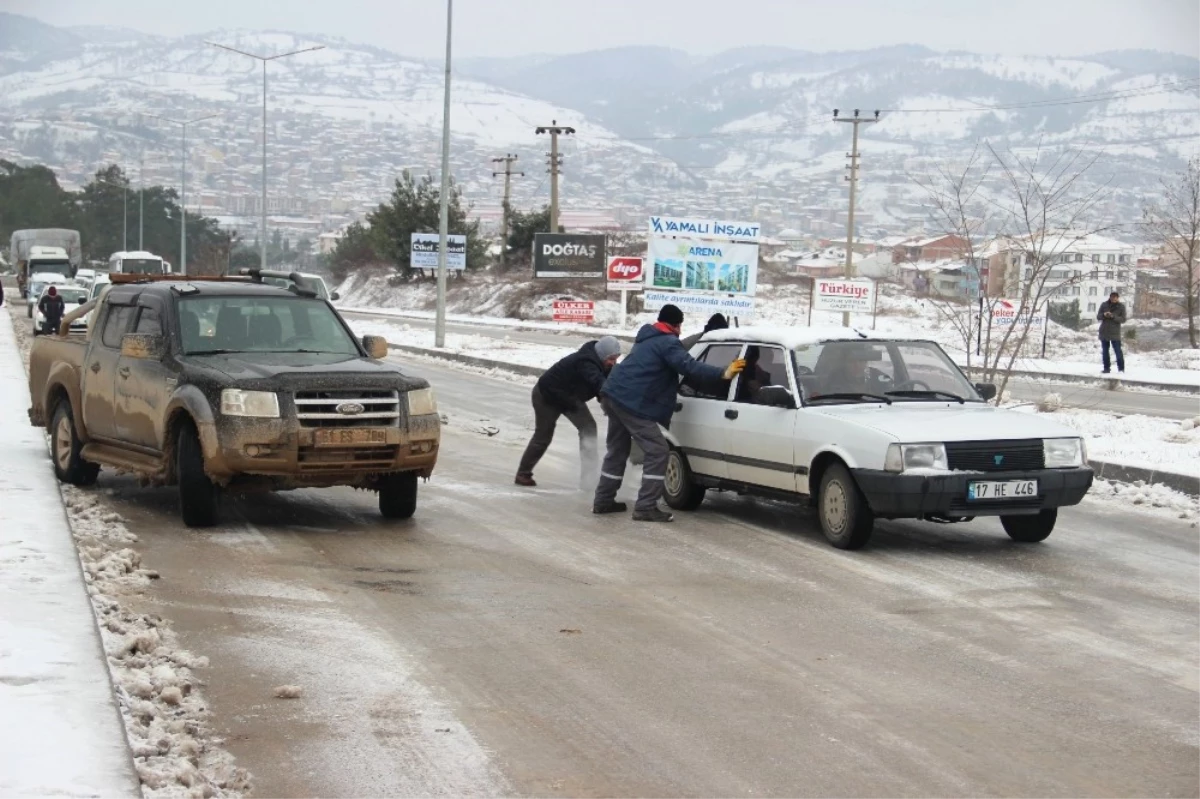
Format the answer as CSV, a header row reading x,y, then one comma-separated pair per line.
x,y
1111,316
638,397
564,390
52,307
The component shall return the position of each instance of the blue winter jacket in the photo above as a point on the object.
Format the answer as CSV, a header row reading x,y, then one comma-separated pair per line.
x,y
646,381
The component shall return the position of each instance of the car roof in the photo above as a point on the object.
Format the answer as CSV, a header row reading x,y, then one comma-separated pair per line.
x,y
792,337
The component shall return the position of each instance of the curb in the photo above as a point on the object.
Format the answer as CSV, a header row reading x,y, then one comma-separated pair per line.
x,y
469,360
1107,383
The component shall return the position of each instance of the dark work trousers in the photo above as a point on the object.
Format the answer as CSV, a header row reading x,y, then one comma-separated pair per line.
x,y
1116,345
545,418
623,430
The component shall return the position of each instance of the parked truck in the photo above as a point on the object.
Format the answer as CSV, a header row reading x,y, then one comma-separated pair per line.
x,y
44,250
229,385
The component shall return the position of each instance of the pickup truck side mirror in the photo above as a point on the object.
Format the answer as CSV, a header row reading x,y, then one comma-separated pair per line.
x,y
143,346
376,347
334,297
986,390
776,397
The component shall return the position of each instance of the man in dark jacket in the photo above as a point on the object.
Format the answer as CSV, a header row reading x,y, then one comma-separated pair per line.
x,y
638,397
1111,316
52,307
564,390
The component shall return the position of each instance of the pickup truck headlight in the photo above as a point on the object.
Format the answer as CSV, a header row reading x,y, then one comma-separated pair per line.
x,y
421,402
903,457
1063,453
261,404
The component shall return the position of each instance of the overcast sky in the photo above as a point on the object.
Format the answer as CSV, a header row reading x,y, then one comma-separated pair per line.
x,y
516,27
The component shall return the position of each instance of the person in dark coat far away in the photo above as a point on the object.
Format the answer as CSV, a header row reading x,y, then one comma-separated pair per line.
x,y
638,397
1111,316
52,308
564,390
715,322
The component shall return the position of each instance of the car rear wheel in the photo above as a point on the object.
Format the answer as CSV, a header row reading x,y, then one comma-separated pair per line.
x,y
845,517
69,466
199,496
1030,529
398,495
679,486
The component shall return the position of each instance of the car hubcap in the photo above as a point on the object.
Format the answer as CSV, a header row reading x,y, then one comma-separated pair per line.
x,y
835,507
674,474
62,444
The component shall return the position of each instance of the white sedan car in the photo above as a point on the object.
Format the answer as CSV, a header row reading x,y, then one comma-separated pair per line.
x,y
867,428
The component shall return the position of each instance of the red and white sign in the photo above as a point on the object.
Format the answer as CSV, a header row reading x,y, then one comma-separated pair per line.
x,y
1004,313
843,295
574,311
625,273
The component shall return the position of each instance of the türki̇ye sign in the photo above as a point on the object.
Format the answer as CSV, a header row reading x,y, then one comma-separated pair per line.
x,y
856,296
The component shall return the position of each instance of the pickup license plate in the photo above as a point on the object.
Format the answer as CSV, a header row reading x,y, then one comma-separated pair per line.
x,y
1002,489
347,437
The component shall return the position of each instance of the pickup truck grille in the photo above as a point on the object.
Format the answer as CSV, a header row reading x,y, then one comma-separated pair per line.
x,y
995,456
380,408
323,460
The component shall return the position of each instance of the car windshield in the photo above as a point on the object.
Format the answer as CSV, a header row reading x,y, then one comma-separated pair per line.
x,y
72,295
843,372
261,324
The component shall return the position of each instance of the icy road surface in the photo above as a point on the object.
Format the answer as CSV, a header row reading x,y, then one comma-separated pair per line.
x,y
506,641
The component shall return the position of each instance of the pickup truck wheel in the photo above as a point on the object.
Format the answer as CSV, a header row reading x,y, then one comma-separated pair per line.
x,y
398,495
680,489
845,517
1030,529
65,445
198,495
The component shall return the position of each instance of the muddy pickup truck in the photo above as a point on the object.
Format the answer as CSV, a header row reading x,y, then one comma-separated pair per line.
x,y
230,385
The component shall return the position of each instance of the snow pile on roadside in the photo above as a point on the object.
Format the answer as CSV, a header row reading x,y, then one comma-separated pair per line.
x,y
165,716
1152,498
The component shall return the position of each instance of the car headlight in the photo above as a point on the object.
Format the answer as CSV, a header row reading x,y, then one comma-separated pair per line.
x,y
1063,453
421,402
262,404
904,457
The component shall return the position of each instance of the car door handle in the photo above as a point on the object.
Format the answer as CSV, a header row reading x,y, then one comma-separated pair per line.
x,y
731,414
679,406
95,367
123,371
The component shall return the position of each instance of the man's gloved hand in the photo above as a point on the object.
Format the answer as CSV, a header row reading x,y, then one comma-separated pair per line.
x,y
734,368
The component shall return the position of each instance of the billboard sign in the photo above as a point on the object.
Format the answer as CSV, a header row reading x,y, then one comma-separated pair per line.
x,y
1004,314
854,296
704,228
625,274
690,264
425,251
569,255
699,304
574,311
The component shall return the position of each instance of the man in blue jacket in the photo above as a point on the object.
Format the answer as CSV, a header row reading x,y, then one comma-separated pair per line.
x,y
638,396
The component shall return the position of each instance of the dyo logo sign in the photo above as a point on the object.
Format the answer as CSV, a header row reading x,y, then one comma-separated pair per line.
x,y
624,269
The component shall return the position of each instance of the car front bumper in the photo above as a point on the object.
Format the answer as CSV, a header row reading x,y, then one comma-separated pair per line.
x,y
907,496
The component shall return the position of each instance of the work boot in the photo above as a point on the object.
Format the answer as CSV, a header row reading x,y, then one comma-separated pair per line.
x,y
655,515
610,507
525,480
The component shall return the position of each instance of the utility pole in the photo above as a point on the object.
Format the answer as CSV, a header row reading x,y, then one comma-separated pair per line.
x,y
856,120
141,198
555,130
508,173
439,327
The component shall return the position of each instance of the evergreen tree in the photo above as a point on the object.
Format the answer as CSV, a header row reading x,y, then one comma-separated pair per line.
x,y
414,207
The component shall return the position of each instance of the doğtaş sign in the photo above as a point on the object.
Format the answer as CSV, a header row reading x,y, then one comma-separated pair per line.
x,y
569,255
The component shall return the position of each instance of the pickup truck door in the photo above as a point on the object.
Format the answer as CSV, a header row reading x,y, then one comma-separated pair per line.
x,y
699,423
761,444
100,371
144,385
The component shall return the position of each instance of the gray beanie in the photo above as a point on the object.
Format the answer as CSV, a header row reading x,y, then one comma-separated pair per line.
x,y
608,347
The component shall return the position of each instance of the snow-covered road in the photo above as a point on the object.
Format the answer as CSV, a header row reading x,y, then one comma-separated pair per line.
x,y
506,641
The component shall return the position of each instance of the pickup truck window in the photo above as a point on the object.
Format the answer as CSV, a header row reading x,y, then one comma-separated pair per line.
x,y
148,322
116,325
261,324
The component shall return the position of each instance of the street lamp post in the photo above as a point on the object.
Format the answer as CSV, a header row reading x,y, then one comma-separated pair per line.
x,y
125,219
183,125
264,59
439,330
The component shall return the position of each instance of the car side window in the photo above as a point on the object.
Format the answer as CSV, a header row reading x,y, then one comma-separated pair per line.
x,y
765,366
719,355
148,322
116,325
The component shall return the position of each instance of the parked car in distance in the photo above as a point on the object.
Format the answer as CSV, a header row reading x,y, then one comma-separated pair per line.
x,y
285,279
867,428
37,284
72,295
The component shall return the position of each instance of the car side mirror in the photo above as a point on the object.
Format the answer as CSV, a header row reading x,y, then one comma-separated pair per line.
x,y
143,346
776,397
334,297
376,347
986,390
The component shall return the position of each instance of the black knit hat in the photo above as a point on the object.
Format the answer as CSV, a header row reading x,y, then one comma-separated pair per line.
x,y
671,315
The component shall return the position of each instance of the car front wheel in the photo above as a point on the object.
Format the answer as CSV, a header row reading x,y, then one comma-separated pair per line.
x,y
679,486
1030,529
199,496
398,495
845,517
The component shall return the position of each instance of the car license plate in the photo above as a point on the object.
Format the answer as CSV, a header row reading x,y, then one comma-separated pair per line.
x,y
1002,489
347,437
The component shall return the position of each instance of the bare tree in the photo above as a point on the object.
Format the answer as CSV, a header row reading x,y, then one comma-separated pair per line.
x,y
1175,223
